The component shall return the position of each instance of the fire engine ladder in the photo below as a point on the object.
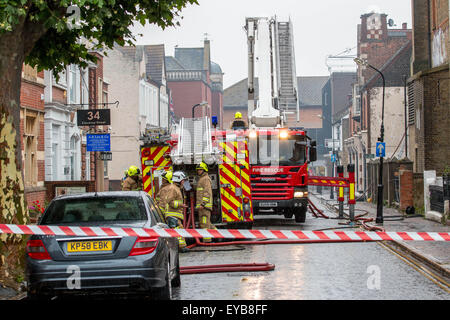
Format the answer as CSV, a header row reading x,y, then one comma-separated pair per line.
x,y
286,71
194,140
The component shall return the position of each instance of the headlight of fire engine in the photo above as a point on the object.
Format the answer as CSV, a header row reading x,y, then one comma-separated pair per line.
x,y
300,194
284,134
209,160
253,134
178,161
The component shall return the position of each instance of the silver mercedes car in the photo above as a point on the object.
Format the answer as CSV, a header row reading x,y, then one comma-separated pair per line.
x,y
130,265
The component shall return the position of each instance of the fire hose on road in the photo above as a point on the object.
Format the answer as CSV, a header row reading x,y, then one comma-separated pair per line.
x,y
190,221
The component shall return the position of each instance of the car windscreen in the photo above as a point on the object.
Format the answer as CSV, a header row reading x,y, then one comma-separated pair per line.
x,y
101,209
269,150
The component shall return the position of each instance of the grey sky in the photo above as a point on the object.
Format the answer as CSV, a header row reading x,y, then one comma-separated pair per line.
x,y
321,28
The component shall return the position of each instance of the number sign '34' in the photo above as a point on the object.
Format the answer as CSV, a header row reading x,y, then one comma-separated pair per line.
x,y
93,117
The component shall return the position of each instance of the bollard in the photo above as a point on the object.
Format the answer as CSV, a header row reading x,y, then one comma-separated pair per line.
x,y
340,171
351,191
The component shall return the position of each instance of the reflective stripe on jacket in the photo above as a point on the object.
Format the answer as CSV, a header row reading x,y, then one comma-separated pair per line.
x,y
204,192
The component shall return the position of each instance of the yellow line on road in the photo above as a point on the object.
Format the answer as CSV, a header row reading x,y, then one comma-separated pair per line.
x,y
424,271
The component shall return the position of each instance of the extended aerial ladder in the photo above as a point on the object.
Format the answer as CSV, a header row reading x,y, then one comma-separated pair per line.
x,y
271,59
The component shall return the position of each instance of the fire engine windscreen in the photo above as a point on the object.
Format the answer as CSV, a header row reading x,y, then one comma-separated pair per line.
x,y
271,150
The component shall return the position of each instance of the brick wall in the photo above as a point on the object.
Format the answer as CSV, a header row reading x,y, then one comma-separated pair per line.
x,y
406,188
186,94
436,122
31,91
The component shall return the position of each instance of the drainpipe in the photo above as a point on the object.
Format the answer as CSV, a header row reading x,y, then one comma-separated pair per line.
x,y
429,35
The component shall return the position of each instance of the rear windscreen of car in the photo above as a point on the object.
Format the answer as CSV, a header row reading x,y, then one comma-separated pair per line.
x,y
95,210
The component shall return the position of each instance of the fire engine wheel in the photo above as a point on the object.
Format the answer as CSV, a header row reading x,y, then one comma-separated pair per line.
x,y
300,215
288,213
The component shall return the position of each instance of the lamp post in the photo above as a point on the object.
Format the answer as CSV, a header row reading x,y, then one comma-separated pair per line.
x,y
379,219
197,105
334,155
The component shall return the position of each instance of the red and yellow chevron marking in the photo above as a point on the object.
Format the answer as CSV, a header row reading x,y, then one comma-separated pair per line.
x,y
235,154
328,182
155,153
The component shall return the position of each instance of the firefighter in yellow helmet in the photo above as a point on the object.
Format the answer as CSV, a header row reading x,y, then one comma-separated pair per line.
x,y
170,201
204,198
133,182
238,123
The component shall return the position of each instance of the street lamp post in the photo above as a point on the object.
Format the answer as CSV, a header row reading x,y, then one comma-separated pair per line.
x,y
379,218
334,155
197,105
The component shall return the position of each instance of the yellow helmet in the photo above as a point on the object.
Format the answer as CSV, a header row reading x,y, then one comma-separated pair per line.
x,y
168,176
133,171
238,115
202,166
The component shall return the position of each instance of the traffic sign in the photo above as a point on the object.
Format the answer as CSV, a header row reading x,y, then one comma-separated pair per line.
x,y
381,149
333,158
98,142
93,117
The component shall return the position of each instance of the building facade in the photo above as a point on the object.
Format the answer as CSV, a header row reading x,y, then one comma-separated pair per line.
x,y
388,50
428,87
137,80
193,79
63,97
32,136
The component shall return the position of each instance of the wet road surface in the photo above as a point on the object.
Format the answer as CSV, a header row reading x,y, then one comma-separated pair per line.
x,y
305,271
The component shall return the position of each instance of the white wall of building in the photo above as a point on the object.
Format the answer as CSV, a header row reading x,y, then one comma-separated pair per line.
x,y
394,116
62,136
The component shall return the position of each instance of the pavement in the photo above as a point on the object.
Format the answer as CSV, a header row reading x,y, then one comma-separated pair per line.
x,y
435,255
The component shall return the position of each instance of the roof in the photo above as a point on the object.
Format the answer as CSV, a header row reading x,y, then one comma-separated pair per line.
x,y
154,67
131,52
132,194
310,90
190,58
173,64
215,68
237,94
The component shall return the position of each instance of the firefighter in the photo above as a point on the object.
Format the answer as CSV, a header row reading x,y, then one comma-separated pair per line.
x,y
133,182
204,198
238,123
166,181
176,204
172,200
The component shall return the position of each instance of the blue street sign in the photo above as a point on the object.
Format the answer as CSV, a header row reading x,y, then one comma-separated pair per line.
x,y
333,158
381,149
98,142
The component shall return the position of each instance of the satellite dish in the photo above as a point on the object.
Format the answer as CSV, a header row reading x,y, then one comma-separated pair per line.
x,y
391,23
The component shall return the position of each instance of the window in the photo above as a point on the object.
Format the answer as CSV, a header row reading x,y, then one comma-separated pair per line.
x,y
30,148
97,209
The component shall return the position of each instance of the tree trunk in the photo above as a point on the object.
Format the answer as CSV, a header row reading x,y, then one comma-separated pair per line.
x,y
12,201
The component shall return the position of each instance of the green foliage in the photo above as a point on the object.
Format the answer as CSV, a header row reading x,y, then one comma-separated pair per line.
x,y
100,24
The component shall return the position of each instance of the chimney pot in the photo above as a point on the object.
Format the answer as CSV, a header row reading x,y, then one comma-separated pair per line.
x,y
405,25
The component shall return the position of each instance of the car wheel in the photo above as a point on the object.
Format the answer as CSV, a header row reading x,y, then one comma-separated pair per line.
x,y
176,282
165,293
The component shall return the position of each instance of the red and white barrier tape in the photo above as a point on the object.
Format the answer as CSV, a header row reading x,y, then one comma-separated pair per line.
x,y
224,233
